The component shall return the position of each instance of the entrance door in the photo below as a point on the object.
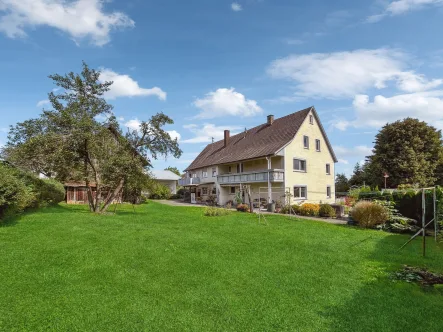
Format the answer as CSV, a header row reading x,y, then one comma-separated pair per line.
x,y
193,201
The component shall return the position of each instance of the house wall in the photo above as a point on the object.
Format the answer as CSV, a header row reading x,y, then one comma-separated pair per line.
x,y
315,178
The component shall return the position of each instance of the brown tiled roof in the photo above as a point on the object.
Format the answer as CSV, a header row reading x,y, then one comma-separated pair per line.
x,y
260,141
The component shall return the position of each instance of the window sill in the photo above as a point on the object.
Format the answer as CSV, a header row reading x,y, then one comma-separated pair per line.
x,y
299,171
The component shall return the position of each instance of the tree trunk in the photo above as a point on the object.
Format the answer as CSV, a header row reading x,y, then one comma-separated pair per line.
x,y
116,191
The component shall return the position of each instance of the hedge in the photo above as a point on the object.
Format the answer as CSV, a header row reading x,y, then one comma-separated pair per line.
x,y
20,191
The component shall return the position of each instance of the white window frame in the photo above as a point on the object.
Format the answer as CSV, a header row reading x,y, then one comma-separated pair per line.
x,y
214,172
299,186
300,170
328,188
229,169
306,142
204,189
230,191
311,119
328,169
205,173
317,145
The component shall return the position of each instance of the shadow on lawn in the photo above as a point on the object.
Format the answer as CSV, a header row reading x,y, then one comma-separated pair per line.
x,y
384,305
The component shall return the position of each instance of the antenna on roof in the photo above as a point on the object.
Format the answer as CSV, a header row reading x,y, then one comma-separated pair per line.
x,y
212,138
246,131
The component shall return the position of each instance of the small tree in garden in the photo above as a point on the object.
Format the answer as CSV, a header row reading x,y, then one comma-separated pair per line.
x,y
69,142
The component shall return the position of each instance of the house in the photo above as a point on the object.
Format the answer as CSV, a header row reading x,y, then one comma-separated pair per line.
x,y
166,178
290,154
77,193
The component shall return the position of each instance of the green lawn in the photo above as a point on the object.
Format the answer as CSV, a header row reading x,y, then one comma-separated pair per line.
x,y
171,268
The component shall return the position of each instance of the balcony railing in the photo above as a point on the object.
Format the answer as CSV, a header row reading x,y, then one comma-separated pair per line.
x,y
189,181
276,175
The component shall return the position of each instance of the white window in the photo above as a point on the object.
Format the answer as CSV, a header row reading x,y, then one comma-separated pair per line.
x,y
311,119
328,191
205,173
194,175
328,169
317,144
306,142
214,172
204,190
300,192
299,165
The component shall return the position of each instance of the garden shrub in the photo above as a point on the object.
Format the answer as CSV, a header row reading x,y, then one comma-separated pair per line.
x,y
212,211
15,195
369,214
159,191
243,207
309,209
326,211
49,191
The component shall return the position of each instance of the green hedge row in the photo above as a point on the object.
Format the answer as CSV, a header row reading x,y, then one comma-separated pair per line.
x,y
20,191
407,202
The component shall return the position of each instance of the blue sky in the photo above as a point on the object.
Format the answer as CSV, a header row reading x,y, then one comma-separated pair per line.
x,y
214,64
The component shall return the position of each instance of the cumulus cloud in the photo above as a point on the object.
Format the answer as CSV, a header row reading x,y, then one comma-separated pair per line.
x,y
426,106
345,74
79,19
125,86
225,102
207,131
42,103
133,124
174,134
399,7
236,7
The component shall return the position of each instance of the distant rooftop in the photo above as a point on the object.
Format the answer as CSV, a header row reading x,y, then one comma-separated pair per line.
x,y
164,175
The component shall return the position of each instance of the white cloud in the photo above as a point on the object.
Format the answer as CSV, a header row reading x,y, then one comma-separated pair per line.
x,y
204,133
42,103
79,19
236,7
174,134
345,74
426,106
399,7
125,86
133,124
343,161
226,102
359,151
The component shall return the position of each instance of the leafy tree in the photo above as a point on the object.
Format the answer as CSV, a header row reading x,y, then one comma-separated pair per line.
x,y
341,183
174,170
68,142
409,151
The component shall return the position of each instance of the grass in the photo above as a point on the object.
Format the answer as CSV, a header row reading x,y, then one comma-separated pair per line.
x,y
171,268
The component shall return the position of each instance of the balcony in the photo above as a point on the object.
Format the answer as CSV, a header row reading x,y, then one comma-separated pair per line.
x,y
189,182
276,175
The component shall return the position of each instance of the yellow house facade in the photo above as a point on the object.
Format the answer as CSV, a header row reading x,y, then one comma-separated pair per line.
x,y
286,158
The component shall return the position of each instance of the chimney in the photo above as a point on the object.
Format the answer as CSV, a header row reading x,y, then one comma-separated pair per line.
x,y
270,119
227,135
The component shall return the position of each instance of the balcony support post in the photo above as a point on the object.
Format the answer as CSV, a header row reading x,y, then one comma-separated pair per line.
x,y
269,180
